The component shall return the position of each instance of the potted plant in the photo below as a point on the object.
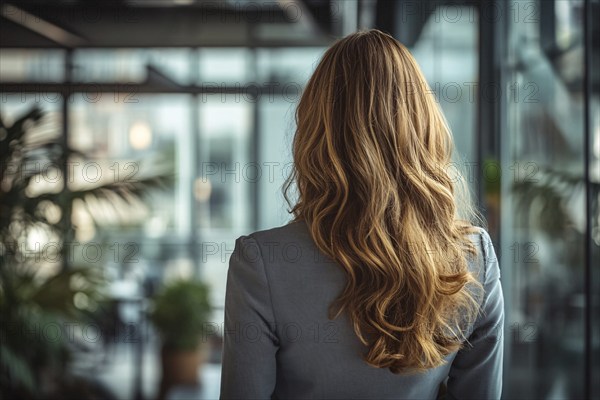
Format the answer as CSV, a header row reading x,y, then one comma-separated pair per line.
x,y
42,291
181,313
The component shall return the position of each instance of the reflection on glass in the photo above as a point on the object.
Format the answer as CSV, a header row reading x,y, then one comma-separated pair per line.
x,y
543,220
594,172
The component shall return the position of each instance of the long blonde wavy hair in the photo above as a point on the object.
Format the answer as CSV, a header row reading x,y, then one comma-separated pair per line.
x,y
371,155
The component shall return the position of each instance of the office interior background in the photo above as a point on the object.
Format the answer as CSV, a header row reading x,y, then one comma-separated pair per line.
x,y
139,139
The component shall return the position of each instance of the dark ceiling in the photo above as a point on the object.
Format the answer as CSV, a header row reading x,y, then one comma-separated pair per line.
x,y
165,23
199,23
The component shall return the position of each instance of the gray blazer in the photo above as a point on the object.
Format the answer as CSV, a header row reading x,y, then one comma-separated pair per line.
x,y
279,343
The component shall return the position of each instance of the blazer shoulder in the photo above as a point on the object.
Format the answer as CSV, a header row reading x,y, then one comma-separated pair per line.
x,y
293,230
480,262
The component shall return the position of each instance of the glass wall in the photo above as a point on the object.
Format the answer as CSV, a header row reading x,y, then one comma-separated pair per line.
x,y
219,120
447,52
543,198
537,202
592,40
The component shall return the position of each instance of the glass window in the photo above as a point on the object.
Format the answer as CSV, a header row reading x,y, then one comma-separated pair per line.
x,y
223,184
594,174
37,239
287,65
130,65
226,66
276,135
542,213
118,130
25,65
447,52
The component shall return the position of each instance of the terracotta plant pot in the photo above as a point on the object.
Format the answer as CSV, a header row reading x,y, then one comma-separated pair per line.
x,y
180,368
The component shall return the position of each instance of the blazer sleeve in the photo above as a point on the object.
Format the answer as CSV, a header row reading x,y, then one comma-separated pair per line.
x,y
249,336
476,372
